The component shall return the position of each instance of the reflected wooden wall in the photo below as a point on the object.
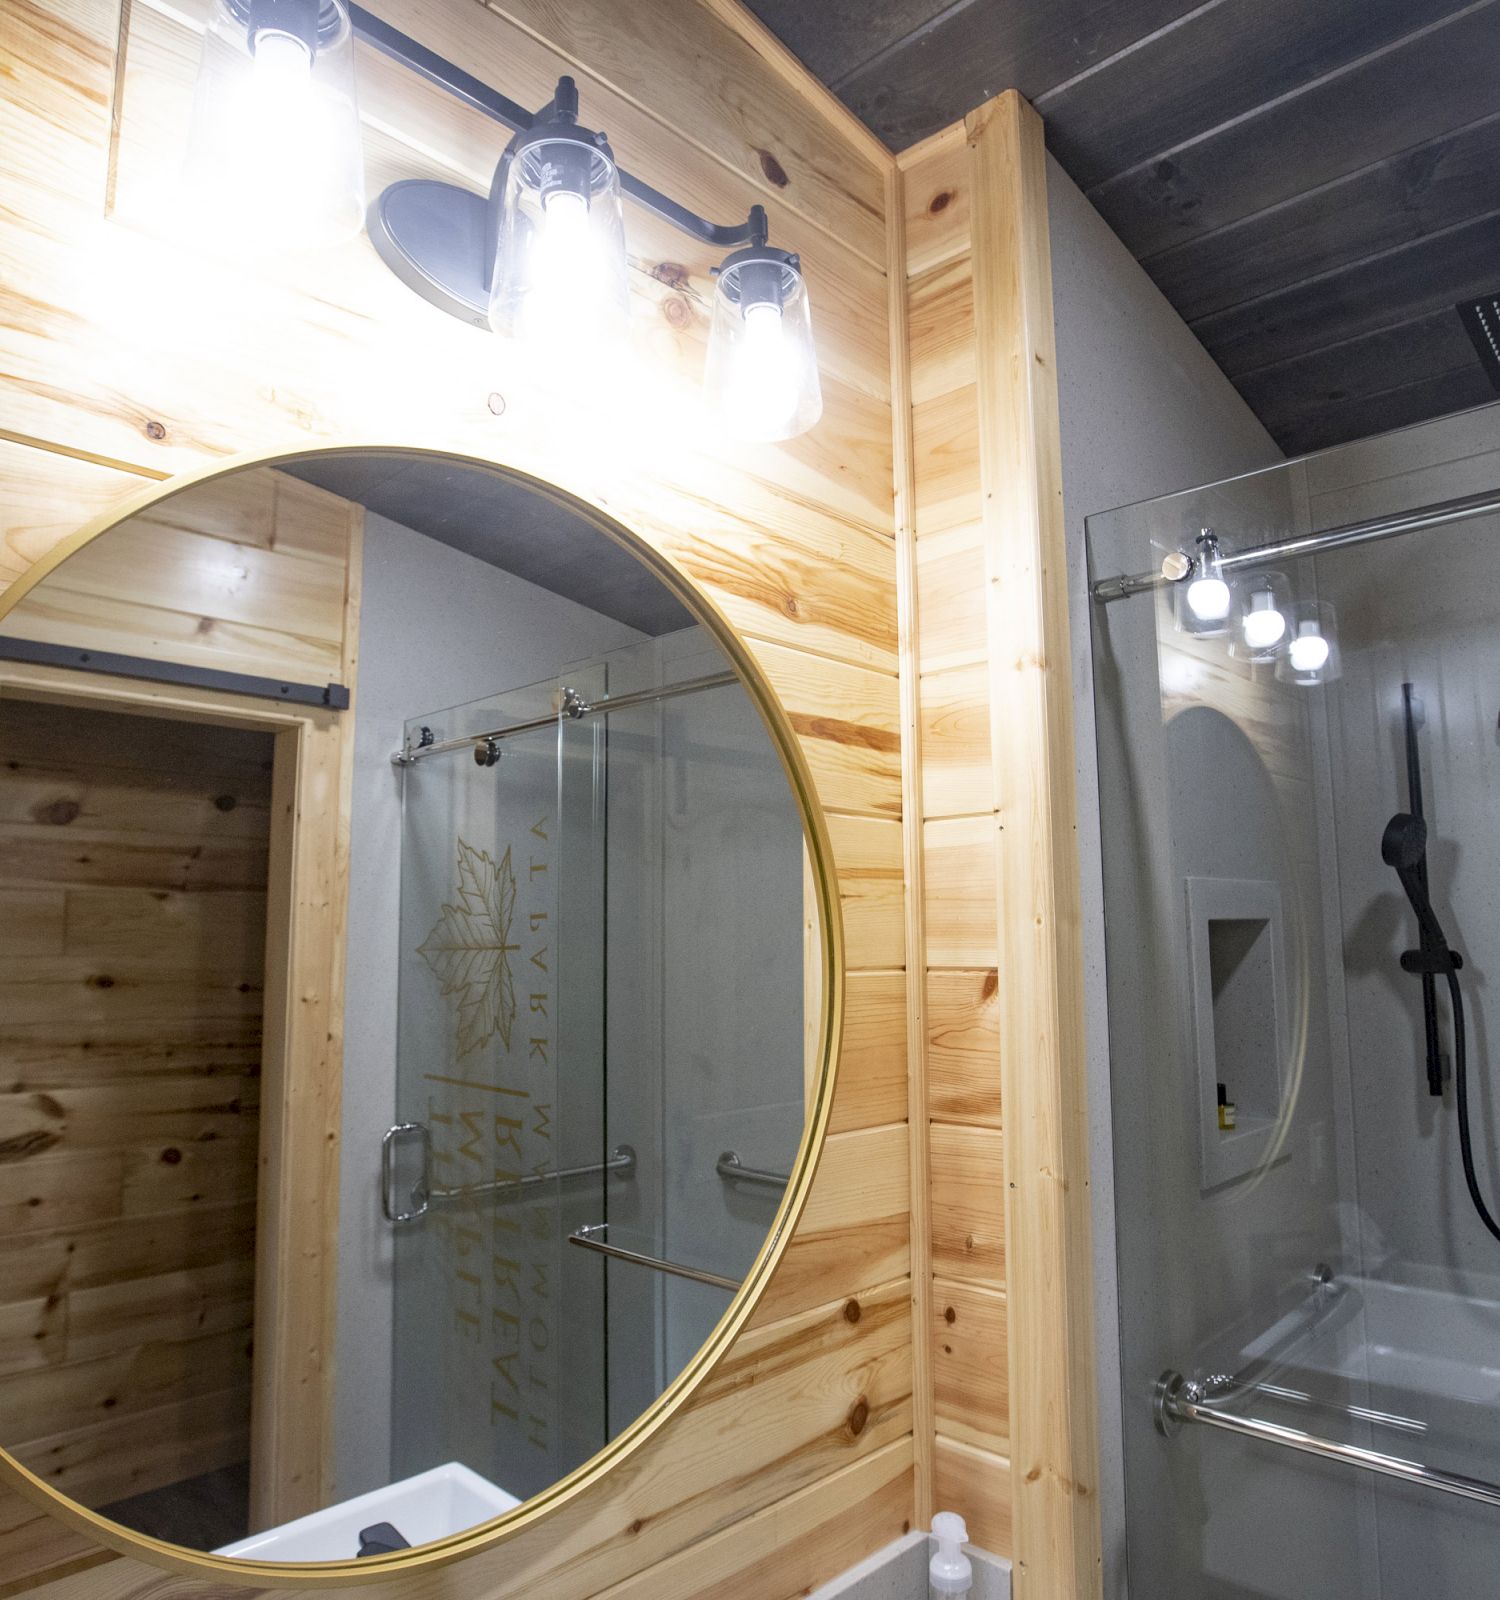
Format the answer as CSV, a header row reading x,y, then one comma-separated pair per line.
x,y
133,357
132,922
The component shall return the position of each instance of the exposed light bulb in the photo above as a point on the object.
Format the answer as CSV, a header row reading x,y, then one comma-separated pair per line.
x,y
1263,624
565,220
283,70
763,390
1309,650
567,277
1208,599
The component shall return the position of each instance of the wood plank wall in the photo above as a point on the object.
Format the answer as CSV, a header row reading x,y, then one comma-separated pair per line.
x,y
1006,1132
132,356
967,1307
132,925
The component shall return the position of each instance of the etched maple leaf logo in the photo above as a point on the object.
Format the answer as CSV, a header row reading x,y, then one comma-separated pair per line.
x,y
469,949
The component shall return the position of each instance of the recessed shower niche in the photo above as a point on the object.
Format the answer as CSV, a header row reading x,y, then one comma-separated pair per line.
x,y
1235,874
1238,989
536,1040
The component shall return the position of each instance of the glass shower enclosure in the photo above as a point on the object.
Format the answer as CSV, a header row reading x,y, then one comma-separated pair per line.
x,y
1301,859
601,995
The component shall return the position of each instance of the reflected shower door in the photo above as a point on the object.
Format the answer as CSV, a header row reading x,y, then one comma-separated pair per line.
x,y
498,1327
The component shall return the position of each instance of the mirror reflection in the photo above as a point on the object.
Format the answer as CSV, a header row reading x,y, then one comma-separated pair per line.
x,y
412,959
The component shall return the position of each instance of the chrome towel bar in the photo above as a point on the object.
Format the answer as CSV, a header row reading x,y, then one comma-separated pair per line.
x,y
1179,1400
589,1238
733,1170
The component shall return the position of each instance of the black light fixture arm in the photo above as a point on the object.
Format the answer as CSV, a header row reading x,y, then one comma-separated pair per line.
x,y
471,91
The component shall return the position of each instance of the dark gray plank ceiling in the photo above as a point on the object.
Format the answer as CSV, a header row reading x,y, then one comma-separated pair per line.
x,y
1314,184
506,524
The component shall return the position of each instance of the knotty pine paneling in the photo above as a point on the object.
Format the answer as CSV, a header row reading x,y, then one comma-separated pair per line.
x,y
967,1314
134,355
124,1299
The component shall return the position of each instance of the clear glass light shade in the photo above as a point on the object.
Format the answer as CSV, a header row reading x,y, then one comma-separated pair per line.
x,y
1260,619
1312,649
561,279
761,377
274,159
1205,600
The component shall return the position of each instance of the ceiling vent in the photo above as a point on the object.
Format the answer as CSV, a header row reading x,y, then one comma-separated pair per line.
x,y
1482,318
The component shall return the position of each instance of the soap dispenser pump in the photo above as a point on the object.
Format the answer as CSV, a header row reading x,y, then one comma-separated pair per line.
x,y
950,1574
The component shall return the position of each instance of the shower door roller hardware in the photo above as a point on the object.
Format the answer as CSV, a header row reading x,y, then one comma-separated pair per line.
x,y
486,752
422,1196
574,706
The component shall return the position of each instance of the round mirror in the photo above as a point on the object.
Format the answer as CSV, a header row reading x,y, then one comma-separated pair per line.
x,y
415,1035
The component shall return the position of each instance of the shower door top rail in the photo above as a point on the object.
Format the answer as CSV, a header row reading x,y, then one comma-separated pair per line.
x,y
1305,544
1180,1400
572,707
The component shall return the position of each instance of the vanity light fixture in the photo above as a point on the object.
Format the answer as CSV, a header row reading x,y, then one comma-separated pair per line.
x,y
1205,595
560,275
274,159
542,256
1312,651
761,378
1261,623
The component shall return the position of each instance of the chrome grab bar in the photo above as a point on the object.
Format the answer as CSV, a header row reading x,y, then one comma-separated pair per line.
x,y
588,1238
424,1196
1179,1400
733,1170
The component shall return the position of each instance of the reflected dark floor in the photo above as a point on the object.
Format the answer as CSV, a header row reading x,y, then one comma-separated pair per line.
x,y
201,1513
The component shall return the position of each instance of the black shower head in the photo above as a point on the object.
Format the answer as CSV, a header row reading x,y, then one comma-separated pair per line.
x,y
1404,842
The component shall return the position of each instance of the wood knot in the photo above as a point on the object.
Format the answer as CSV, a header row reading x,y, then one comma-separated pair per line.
x,y
225,802
939,202
852,1312
950,1315
677,312
991,985
156,430
773,169
101,980
171,1156
636,1526
859,1415
673,274
56,813
789,605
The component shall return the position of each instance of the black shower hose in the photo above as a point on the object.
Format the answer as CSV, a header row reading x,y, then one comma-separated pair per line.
x,y
1461,1095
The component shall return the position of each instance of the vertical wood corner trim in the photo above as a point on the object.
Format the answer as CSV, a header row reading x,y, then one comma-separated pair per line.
x,y
1053,1416
923,1388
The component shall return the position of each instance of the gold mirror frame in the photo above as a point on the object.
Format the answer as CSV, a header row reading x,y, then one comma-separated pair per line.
x,y
335,1574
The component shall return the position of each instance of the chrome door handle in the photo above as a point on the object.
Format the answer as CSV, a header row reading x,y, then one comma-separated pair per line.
x,y
420,1196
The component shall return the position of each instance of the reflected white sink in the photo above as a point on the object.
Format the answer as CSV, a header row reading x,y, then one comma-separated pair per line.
x,y
432,1505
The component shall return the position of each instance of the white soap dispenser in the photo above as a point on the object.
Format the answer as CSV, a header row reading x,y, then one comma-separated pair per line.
x,y
950,1573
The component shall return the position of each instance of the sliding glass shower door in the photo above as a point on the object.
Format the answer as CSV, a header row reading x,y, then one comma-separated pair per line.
x,y
499,1080
1302,917
601,1040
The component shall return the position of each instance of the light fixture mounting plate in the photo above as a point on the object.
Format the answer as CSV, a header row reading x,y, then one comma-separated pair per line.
x,y
435,238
